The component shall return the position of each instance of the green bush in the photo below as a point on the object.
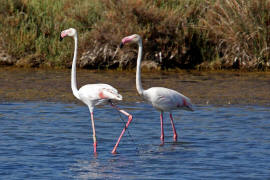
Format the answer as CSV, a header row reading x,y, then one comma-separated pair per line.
x,y
33,26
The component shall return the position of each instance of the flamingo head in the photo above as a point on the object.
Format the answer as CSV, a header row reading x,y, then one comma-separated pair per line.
x,y
68,32
135,38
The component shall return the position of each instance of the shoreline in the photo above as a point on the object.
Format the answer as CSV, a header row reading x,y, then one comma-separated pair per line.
x,y
143,69
202,87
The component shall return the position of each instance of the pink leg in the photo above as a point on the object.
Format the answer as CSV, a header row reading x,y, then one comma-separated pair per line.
x,y
94,133
126,126
174,131
161,128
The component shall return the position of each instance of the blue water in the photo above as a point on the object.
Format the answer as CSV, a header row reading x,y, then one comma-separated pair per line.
x,y
41,140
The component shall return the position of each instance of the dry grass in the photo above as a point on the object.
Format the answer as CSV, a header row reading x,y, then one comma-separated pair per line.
x,y
167,28
182,34
240,28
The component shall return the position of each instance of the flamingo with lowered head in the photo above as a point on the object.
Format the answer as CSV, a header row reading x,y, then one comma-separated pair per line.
x,y
162,99
93,94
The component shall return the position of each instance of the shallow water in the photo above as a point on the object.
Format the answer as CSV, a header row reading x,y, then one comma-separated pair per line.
x,y
46,140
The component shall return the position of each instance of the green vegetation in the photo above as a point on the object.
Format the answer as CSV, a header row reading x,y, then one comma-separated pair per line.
x,y
188,33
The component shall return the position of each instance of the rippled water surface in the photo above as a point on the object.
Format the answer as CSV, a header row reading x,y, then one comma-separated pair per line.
x,y
41,140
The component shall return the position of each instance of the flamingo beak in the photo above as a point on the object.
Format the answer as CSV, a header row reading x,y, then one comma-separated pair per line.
x,y
60,38
121,45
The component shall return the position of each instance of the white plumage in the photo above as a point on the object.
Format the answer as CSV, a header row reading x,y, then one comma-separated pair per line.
x,y
164,99
95,94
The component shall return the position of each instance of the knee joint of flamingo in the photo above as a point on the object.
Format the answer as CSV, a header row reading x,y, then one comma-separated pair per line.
x,y
94,139
130,117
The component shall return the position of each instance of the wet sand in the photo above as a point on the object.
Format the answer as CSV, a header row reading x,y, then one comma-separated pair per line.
x,y
216,88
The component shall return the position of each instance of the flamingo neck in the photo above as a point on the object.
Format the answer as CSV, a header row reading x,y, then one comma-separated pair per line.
x,y
138,71
73,70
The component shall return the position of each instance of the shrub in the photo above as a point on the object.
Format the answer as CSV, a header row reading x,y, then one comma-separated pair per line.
x,y
168,28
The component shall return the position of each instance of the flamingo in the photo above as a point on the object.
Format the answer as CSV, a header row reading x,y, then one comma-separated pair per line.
x,y
162,99
94,94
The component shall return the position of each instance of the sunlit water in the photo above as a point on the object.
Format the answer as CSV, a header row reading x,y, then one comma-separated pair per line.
x,y
42,140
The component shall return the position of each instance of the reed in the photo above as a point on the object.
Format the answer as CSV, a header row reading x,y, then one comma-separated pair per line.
x,y
177,34
240,28
32,27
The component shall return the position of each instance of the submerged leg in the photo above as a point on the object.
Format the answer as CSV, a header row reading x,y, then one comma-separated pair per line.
x,y
94,131
161,128
126,126
173,127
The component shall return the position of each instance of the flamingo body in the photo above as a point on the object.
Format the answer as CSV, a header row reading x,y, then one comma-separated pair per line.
x,y
95,94
166,100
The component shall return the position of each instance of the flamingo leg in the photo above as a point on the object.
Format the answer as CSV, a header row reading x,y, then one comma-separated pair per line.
x,y
94,133
161,128
126,126
173,127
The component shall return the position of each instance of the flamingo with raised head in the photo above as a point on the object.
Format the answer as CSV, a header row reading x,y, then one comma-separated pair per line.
x,y
162,99
93,94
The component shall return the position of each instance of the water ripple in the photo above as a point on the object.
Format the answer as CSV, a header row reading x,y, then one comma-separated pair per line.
x,y
41,140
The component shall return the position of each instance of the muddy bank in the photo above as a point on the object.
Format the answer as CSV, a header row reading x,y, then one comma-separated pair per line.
x,y
217,88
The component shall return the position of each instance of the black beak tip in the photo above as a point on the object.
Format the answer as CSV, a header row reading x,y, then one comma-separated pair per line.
x,y
60,38
121,45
